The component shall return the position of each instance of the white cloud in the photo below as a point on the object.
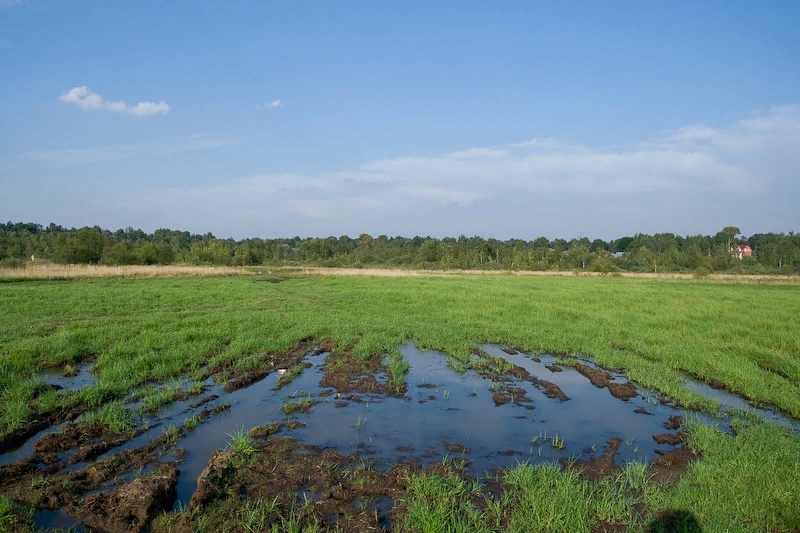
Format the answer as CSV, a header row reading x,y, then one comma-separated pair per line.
x,y
114,152
680,179
85,98
272,105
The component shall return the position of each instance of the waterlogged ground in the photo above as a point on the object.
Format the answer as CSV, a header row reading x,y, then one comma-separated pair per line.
x,y
338,441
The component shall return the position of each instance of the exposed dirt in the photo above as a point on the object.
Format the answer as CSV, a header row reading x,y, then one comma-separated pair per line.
x,y
501,398
672,464
203,401
674,422
348,373
602,379
132,506
213,478
454,447
338,488
245,381
31,428
598,467
668,438
642,411
551,390
268,363
53,488
318,486
67,437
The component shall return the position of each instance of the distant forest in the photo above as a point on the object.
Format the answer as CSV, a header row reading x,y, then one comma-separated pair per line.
x,y
772,253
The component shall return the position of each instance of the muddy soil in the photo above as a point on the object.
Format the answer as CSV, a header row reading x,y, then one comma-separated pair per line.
x,y
131,507
345,458
347,373
323,487
602,379
597,467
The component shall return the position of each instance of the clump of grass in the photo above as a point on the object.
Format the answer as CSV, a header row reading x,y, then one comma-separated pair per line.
x,y
242,447
748,481
301,405
113,416
159,397
171,436
635,475
442,503
9,513
546,498
14,415
92,397
196,388
555,440
398,368
258,515
191,422
290,375
360,422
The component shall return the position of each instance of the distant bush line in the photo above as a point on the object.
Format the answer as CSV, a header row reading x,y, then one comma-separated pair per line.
x,y
772,253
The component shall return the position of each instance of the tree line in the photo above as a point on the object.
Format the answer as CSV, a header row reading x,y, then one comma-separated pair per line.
x,y
772,253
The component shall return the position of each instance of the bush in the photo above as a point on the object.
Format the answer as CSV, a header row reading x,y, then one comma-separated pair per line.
x,y
701,273
12,262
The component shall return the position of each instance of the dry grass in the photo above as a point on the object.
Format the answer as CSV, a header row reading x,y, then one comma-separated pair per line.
x,y
53,271
410,273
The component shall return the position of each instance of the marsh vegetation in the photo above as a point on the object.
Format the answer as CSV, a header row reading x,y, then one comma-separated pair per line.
x,y
482,403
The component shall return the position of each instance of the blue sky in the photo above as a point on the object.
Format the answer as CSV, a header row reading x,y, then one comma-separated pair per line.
x,y
500,119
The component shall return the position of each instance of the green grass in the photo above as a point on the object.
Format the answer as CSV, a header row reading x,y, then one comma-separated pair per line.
x,y
113,416
749,482
301,405
8,513
242,446
290,375
656,330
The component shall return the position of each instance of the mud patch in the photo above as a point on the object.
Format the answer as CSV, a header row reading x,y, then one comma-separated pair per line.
x,y
345,462
245,381
671,439
598,467
130,507
348,373
672,464
602,379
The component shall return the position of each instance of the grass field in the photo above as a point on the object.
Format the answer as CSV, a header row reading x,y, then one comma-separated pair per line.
x,y
658,331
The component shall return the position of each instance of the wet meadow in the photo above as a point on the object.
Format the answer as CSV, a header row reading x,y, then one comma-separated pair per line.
x,y
298,402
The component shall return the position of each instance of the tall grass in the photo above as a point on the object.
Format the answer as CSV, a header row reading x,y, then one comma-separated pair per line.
x,y
58,271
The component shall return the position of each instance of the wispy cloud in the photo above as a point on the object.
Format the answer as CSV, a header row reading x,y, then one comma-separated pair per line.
x,y
272,105
693,175
7,4
113,152
87,99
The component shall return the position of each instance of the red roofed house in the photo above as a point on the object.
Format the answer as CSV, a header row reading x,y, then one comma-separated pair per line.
x,y
743,250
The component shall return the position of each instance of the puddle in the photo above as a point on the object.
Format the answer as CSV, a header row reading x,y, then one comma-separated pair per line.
x,y
732,403
545,412
47,520
70,379
26,448
256,405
